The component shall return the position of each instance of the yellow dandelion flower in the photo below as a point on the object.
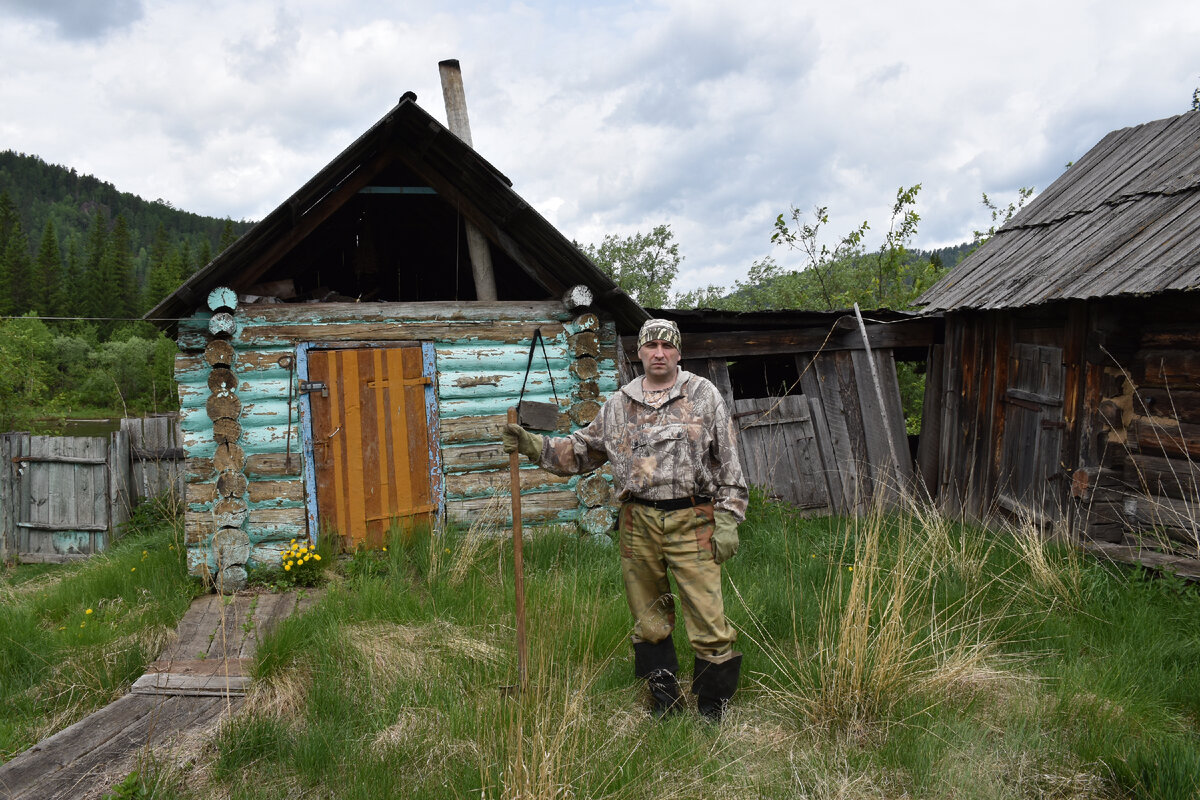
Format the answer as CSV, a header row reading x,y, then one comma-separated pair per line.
x,y
850,569
385,548
287,567
88,611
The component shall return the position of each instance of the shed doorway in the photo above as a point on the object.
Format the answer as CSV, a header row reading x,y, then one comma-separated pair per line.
x,y
374,449
779,449
1030,475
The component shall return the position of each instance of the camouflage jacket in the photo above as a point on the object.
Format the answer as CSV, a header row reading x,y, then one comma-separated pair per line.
x,y
687,446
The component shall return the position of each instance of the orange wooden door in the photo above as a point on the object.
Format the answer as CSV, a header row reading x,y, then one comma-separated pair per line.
x,y
371,442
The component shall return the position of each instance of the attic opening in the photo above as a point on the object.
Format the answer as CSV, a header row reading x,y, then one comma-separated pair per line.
x,y
396,240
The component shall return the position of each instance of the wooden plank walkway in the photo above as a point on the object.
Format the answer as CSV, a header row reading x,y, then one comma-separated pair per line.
x,y
196,681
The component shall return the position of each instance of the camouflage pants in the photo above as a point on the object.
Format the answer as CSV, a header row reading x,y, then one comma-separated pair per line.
x,y
653,542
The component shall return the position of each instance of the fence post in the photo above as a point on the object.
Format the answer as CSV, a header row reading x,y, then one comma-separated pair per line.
x,y
118,483
8,491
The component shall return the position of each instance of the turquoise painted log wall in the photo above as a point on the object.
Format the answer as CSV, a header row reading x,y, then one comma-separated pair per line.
x,y
481,355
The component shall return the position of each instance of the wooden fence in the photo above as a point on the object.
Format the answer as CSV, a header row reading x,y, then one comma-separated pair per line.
x,y
66,497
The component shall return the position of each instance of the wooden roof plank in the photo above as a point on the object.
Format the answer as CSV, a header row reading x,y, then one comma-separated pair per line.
x,y
1141,260
1169,233
1176,158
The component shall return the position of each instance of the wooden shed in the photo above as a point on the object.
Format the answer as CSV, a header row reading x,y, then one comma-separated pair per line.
x,y
338,373
815,398
1071,372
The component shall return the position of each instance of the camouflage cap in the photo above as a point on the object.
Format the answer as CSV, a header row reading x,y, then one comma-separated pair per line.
x,y
663,329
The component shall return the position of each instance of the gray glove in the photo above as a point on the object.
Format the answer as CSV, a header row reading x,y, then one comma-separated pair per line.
x,y
514,437
725,537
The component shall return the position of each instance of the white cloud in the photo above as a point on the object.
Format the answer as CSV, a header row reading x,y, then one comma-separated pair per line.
x,y
77,19
609,117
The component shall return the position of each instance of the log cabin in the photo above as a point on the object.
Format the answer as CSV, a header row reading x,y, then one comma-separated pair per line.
x,y
1070,371
346,365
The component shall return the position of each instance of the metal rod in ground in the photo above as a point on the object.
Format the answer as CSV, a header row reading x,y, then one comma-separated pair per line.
x,y
514,474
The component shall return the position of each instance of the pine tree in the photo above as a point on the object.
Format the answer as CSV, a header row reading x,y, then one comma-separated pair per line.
x,y
205,254
228,236
161,279
183,262
16,273
49,273
125,291
8,217
93,283
70,299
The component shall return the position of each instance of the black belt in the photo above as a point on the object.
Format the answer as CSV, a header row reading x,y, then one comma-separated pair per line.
x,y
674,504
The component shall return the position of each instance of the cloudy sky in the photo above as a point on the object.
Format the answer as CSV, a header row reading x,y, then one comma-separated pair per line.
x,y
609,117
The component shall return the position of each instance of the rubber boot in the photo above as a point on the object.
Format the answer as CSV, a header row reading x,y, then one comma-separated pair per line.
x,y
713,685
656,663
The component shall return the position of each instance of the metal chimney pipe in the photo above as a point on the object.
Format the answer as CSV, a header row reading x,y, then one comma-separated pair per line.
x,y
456,115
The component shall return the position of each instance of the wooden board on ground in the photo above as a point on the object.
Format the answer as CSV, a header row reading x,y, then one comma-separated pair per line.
x,y
68,764
1183,567
169,683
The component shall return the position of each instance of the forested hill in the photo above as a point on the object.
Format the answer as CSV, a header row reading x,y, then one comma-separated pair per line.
x,y
73,245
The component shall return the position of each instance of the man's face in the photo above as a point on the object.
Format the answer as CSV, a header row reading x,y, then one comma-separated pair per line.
x,y
659,359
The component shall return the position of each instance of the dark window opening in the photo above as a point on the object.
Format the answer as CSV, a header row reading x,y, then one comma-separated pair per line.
x,y
764,376
395,241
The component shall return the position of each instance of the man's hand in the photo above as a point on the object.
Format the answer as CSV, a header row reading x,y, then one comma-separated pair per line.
x,y
514,437
725,537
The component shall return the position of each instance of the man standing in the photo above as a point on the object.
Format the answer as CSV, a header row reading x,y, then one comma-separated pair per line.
x,y
673,450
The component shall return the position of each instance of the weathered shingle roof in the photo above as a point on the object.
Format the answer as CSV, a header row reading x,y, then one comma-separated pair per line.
x,y
409,134
1124,219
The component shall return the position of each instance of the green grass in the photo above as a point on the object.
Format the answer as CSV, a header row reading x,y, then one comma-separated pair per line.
x,y
899,656
58,662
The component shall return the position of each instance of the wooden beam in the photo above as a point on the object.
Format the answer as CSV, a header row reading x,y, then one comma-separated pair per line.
x,y
448,311
731,344
1183,567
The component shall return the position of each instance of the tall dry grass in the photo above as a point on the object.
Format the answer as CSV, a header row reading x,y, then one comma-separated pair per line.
x,y
913,611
